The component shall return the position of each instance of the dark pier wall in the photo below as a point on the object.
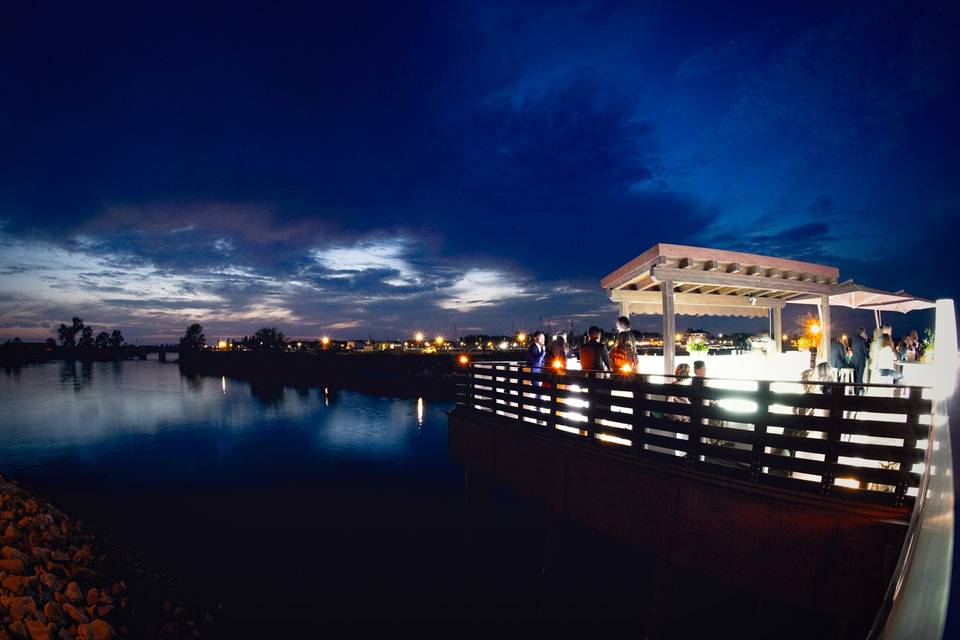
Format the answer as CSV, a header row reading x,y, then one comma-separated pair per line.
x,y
829,557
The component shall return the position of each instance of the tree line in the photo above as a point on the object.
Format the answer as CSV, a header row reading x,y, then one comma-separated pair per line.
x,y
80,336
266,338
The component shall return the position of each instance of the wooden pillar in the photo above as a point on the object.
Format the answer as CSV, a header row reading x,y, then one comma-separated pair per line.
x,y
625,309
669,326
776,328
823,351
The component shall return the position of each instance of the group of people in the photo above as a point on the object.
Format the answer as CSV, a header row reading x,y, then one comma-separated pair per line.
x,y
874,360
594,354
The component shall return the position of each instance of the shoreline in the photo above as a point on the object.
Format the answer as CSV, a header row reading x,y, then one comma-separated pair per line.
x,y
59,580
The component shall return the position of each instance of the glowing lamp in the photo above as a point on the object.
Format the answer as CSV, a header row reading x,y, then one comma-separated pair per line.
x,y
815,329
626,368
418,336
325,340
521,337
439,340
557,364
464,360
222,344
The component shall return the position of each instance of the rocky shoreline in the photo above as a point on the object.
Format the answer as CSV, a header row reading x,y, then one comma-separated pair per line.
x,y
58,580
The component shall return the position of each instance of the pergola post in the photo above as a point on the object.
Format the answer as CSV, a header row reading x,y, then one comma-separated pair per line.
x,y
625,309
823,353
669,326
776,328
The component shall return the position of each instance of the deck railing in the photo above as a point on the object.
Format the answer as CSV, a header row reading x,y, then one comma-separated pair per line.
x,y
824,439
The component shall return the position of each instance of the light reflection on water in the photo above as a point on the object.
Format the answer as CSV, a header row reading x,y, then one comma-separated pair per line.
x,y
61,412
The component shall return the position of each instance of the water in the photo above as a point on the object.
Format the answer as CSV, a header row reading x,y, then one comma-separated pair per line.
x,y
294,506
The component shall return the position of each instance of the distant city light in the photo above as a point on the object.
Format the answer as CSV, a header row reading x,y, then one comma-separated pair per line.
x,y
418,336
325,340
521,337
222,344
439,340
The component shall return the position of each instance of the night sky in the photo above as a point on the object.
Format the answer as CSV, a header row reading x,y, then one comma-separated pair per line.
x,y
358,169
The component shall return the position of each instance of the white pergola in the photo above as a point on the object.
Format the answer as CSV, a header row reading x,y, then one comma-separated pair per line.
x,y
668,279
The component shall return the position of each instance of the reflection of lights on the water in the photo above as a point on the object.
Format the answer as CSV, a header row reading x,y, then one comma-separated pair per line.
x,y
326,396
420,412
223,383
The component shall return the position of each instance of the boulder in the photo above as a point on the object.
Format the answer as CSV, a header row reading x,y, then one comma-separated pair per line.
x,y
73,592
54,612
12,553
15,567
22,607
37,630
96,630
75,613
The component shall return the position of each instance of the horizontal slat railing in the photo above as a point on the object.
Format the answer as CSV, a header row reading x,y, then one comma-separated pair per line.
x,y
830,442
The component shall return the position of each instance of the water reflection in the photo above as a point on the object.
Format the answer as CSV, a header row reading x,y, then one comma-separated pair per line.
x,y
65,413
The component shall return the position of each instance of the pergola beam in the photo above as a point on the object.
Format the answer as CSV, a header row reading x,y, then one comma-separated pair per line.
x,y
696,299
663,273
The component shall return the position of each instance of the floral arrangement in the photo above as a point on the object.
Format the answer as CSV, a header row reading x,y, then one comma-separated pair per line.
x,y
927,344
697,345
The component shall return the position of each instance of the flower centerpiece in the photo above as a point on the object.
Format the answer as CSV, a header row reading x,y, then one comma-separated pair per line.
x,y
927,345
697,345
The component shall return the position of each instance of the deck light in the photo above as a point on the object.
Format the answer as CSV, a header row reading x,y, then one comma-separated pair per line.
x,y
814,329
464,360
626,368
557,364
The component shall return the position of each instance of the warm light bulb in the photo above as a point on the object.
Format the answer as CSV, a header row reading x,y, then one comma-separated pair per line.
x,y
464,359
558,363
626,368
418,336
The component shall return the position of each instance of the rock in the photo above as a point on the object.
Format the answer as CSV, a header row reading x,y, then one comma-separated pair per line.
x,y
54,612
22,607
75,613
104,610
65,634
96,630
50,581
19,629
19,584
12,553
92,596
73,592
14,567
59,556
38,630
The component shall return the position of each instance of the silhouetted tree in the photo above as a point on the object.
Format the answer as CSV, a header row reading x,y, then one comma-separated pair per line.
x,y
102,341
269,338
68,334
51,342
116,339
193,339
86,338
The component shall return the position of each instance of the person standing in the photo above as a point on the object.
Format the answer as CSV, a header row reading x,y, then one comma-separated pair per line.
x,y
536,352
861,350
625,351
593,353
557,352
838,359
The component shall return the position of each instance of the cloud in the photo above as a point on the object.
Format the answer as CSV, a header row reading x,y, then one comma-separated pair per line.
x,y
389,255
482,288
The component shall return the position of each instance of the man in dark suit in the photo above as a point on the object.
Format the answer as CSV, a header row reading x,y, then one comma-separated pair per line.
x,y
861,349
593,353
537,351
838,353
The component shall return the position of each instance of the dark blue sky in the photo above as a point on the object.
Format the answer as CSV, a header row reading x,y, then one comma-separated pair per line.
x,y
378,168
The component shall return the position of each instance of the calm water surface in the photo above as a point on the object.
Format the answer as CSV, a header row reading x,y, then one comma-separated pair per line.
x,y
295,505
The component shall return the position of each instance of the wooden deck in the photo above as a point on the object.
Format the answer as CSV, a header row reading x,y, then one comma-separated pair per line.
x,y
599,449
